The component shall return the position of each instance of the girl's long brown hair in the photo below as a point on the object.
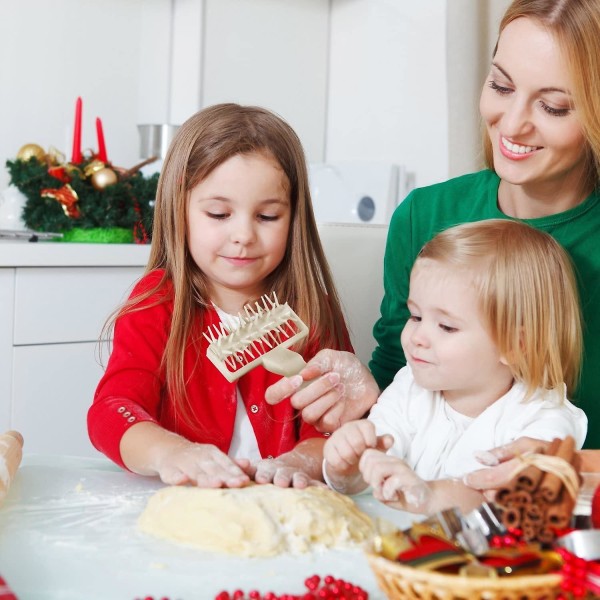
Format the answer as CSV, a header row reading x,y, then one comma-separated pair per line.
x,y
303,278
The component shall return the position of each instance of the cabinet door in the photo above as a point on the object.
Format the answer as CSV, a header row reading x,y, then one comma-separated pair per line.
x,y
53,387
67,304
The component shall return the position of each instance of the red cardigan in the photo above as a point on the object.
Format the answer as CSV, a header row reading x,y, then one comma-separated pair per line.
x,y
132,389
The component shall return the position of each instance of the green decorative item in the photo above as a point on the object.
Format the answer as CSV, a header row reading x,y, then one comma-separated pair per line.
x,y
98,235
88,202
87,199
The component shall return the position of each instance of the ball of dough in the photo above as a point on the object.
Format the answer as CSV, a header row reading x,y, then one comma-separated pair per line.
x,y
258,520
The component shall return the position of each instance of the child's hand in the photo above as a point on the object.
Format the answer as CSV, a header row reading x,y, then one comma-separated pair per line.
x,y
282,474
297,468
346,445
201,464
393,481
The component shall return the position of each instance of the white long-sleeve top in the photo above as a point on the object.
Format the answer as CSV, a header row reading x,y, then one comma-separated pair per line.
x,y
439,442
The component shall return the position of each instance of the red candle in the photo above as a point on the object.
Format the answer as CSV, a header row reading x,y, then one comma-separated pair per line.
x,y
101,145
76,156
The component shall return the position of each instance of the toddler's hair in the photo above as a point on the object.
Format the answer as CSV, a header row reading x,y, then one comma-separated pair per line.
x,y
528,296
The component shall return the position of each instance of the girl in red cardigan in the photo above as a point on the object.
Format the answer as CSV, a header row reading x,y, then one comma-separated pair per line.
x,y
233,220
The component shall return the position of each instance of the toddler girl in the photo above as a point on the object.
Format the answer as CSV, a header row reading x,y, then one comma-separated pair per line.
x,y
493,336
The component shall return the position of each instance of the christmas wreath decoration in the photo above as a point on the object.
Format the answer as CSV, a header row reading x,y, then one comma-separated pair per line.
x,y
86,199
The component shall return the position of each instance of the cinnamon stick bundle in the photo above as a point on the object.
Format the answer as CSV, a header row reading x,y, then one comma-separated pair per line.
x,y
536,500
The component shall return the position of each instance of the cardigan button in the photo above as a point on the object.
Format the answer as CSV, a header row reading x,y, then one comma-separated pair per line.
x,y
131,419
121,409
254,409
126,414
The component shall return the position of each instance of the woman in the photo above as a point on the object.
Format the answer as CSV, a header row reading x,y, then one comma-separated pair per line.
x,y
541,108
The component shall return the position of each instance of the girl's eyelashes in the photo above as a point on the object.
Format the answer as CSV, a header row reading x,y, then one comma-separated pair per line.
x,y
415,318
447,328
223,216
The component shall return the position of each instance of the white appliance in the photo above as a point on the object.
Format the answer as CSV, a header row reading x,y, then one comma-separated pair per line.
x,y
357,191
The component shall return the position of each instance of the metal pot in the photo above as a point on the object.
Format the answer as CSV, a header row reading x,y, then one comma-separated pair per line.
x,y
155,139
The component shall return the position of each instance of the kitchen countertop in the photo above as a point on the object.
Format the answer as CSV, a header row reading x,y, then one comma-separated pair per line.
x,y
21,253
68,531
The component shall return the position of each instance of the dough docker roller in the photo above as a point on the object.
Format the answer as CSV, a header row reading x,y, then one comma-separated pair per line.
x,y
266,331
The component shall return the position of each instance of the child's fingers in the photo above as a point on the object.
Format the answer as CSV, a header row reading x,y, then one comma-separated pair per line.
x,y
391,489
173,476
340,454
384,442
345,447
212,468
376,467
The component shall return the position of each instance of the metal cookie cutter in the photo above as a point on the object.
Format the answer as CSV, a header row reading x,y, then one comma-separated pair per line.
x,y
478,527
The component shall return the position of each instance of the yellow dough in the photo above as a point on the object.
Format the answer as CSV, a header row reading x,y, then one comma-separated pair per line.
x,y
258,520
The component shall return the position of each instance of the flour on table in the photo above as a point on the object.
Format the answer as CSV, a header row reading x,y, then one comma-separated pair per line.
x,y
258,520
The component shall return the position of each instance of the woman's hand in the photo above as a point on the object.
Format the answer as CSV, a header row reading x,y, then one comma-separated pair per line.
x,y
340,389
502,463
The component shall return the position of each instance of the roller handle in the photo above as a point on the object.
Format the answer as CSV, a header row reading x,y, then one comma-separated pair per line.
x,y
11,452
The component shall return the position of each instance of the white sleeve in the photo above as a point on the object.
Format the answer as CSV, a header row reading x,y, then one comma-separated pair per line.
x,y
393,412
548,416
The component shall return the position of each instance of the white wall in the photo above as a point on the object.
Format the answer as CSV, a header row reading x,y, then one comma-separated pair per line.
x,y
52,52
387,85
271,53
358,79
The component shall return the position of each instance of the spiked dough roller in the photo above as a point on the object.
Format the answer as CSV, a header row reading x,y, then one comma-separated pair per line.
x,y
265,333
11,452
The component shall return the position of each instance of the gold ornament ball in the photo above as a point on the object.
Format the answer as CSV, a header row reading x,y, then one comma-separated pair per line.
x,y
29,151
103,178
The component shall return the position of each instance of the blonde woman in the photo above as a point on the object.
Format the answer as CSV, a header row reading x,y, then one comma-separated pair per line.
x,y
540,105
493,345
233,221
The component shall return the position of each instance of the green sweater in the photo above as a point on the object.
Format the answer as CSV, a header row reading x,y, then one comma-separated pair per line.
x,y
427,211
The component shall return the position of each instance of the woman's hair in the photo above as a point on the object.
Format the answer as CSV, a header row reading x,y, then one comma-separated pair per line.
x,y
575,24
302,279
527,293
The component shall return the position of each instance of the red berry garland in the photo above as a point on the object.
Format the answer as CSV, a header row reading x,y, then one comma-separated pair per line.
x,y
328,588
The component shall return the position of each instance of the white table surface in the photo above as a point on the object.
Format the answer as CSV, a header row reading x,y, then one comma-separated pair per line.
x,y
68,531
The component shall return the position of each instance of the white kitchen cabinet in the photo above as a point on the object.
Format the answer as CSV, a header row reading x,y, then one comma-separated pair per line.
x,y
55,298
54,301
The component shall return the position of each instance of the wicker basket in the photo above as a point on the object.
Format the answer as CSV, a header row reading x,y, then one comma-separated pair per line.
x,y
400,582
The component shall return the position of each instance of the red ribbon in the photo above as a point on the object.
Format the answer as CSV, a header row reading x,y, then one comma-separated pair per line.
x,y
579,576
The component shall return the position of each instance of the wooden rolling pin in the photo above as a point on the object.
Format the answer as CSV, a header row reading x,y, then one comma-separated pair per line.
x,y
11,452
